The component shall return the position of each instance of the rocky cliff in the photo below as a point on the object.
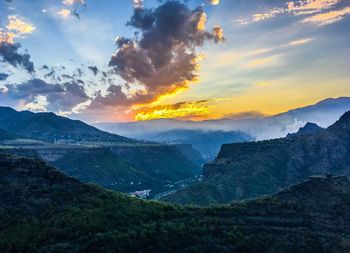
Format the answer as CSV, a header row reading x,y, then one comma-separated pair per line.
x,y
249,170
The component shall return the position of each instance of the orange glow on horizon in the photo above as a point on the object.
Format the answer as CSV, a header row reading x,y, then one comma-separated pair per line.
x,y
180,110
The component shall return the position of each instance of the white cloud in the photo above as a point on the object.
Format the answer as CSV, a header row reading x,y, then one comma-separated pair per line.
x,y
327,17
321,8
299,42
64,13
39,104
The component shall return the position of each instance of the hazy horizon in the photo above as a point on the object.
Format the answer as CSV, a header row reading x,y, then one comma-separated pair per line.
x,y
194,60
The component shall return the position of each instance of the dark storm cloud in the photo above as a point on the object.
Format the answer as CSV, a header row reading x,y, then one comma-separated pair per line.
x,y
78,72
3,76
32,88
66,76
163,58
60,97
142,19
9,54
115,96
93,69
45,67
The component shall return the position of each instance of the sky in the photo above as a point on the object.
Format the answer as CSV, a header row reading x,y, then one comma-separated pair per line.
x,y
130,60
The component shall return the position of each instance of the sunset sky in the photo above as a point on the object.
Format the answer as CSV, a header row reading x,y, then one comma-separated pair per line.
x,y
124,60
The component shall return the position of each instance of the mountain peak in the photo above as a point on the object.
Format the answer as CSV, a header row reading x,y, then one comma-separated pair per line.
x,y
309,128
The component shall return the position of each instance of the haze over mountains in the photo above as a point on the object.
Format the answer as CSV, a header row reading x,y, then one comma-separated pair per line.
x,y
323,113
44,210
174,126
248,170
128,165
208,143
208,136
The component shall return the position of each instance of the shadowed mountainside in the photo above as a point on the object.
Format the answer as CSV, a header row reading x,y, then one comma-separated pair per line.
x,y
129,168
122,168
250,170
42,210
4,135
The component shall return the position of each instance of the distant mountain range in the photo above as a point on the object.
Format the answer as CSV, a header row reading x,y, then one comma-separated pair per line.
x,y
249,170
208,136
324,114
42,210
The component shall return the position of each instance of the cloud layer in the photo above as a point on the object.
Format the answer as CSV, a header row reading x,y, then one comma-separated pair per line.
x,y
58,97
320,12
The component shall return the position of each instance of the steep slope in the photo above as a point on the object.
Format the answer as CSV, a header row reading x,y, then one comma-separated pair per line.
x,y
166,163
50,127
253,169
101,166
156,168
129,168
190,153
42,210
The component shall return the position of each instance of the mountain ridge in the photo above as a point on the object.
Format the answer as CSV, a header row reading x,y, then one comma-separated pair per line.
x,y
324,113
42,210
51,127
309,128
249,170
